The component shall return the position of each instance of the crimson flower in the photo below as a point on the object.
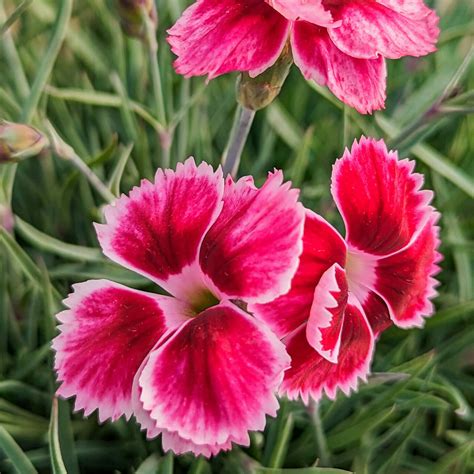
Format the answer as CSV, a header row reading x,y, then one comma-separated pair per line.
x,y
338,43
193,366
346,291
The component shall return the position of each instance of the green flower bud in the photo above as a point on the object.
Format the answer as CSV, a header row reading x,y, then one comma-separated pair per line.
x,y
134,14
255,93
18,142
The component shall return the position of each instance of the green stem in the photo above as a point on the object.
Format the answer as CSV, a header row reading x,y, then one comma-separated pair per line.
x,y
321,444
155,72
98,185
238,137
280,447
48,61
165,137
13,60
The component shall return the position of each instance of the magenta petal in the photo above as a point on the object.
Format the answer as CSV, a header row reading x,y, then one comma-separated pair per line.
x,y
157,230
359,83
170,440
215,379
377,313
322,246
405,280
218,36
379,198
106,333
252,250
369,28
312,11
324,328
310,374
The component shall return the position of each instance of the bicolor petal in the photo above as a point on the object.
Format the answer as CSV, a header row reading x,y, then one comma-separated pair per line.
x,y
360,83
252,250
322,247
324,327
369,29
214,37
157,230
377,313
405,280
106,333
214,380
415,9
379,198
312,11
172,441
311,374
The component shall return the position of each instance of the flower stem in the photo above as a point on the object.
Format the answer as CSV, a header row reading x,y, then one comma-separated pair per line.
x,y
155,72
321,444
238,136
99,186
60,148
48,60
164,138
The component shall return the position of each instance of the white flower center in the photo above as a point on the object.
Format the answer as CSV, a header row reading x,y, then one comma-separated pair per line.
x,y
360,273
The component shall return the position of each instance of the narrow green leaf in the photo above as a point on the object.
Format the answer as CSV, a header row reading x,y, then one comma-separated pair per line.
x,y
57,463
48,60
103,99
452,314
150,465
302,158
280,447
49,244
19,10
302,470
284,125
432,158
166,464
353,432
28,267
14,453
117,173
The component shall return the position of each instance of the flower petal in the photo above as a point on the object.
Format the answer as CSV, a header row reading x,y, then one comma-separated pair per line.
x,y
106,333
172,441
377,313
405,280
359,83
409,8
379,198
370,28
311,374
312,11
252,250
214,380
324,328
218,36
157,230
322,246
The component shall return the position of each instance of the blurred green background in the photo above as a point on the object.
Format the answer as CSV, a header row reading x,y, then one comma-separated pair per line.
x,y
415,415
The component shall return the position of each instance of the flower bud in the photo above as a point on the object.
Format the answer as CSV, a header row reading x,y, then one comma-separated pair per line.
x,y
18,141
6,218
134,14
255,93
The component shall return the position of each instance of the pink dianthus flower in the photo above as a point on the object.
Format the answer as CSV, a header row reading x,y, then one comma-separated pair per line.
x,y
342,44
193,366
346,291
